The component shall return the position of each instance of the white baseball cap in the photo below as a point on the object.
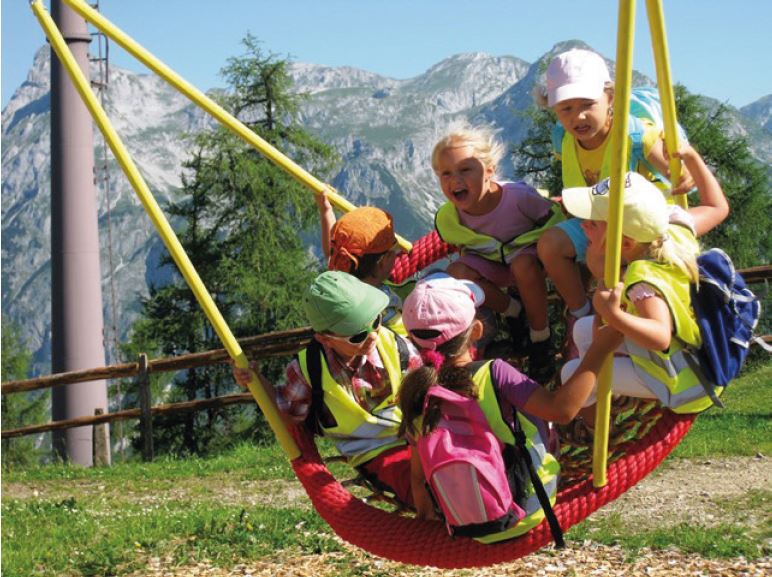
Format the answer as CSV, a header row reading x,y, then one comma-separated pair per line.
x,y
576,74
646,212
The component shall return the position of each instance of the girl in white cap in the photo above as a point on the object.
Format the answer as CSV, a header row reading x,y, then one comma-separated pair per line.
x,y
439,316
651,307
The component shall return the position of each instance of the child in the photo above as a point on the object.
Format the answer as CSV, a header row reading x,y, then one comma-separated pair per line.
x,y
651,307
440,317
362,243
580,92
344,384
496,225
700,219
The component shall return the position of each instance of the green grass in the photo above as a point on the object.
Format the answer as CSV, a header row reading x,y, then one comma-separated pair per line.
x,y
87,538
63,520
743,428
245,462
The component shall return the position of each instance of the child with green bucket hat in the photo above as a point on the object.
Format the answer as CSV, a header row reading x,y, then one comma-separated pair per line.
x,y
344,384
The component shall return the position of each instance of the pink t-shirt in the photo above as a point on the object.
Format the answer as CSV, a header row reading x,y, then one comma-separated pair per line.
x,y
518,211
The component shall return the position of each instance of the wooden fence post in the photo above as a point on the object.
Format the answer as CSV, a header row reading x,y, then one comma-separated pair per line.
x,y
101,442
146,418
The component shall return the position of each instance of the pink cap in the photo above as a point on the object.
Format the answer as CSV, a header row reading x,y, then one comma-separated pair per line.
x,y
441,303
576,74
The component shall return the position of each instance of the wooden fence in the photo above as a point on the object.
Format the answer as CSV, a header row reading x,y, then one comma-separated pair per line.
x,y
275,344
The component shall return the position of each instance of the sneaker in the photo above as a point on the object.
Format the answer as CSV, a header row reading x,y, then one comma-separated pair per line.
x,y
541,362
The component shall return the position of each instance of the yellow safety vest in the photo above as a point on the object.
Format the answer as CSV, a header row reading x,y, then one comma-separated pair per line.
x,y
359,435
571,170
546,465
667,374
450,229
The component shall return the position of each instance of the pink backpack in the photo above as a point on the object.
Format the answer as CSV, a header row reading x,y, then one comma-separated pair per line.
x,y
463,463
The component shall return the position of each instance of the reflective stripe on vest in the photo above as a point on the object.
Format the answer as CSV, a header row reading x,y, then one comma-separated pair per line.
x,y
547,467
668,374
450,229
359,435
670,378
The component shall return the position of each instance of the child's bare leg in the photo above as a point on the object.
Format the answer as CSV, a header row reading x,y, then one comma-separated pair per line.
x,y
495,298
557,254
530,280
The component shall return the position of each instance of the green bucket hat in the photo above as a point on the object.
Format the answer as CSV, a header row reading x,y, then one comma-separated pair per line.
x,y
339,303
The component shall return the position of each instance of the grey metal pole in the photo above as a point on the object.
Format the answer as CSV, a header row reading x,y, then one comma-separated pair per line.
x,y
76,307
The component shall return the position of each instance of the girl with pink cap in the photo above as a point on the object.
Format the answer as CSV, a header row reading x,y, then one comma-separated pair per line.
x,y
439,316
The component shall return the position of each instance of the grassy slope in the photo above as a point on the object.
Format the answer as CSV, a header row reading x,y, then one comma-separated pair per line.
x,y
60,520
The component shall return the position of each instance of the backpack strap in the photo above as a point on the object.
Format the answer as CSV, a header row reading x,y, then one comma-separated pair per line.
x,y
314,354
705,381
635,129
404,352
522,449
556,138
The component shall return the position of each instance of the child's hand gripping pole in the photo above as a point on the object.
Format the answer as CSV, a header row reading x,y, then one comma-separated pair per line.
x,y
214,109
619,136
165,230
664,82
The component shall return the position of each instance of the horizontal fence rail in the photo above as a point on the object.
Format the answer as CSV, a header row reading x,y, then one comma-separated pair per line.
x,y
276,344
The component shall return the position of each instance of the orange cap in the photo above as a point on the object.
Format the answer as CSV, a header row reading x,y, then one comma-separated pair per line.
x,y
364,230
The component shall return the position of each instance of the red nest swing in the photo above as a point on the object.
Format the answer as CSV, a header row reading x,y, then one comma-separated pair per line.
x,y
407,540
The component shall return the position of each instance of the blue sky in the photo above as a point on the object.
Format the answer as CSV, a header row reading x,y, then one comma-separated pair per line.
x,y
718,48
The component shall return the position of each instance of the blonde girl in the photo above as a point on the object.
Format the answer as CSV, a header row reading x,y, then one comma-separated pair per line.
x,y
496,224
651,307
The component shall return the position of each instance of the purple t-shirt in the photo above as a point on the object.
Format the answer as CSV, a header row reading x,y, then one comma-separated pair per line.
x,y
515,387
518,211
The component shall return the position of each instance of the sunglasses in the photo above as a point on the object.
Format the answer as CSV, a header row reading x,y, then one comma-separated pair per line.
x,y
360,337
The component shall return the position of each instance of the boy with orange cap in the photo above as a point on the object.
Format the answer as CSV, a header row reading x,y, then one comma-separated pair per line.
x,y
362,243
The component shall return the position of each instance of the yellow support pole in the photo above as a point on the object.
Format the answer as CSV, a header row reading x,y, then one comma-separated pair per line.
x,y
214,109
619,137
665,83
162,225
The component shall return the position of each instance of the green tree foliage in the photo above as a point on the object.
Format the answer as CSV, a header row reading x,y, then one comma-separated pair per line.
x,y
240,219
20,409
744,234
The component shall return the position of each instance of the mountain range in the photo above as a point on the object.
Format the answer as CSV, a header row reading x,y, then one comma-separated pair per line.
x,y
383,129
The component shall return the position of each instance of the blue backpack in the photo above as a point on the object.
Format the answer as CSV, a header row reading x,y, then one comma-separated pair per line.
x,y
727,313
645,105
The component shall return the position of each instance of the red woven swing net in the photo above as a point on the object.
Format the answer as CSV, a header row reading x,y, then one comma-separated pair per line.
x,y
404,539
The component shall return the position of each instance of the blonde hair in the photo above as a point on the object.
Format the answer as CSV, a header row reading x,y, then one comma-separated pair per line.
x,y
539,94
481,139
665,250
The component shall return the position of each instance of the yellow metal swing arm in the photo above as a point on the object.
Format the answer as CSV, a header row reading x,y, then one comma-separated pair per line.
x,y
619,136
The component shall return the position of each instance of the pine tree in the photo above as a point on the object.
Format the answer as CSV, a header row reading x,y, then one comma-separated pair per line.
x,y
241,220
20,409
